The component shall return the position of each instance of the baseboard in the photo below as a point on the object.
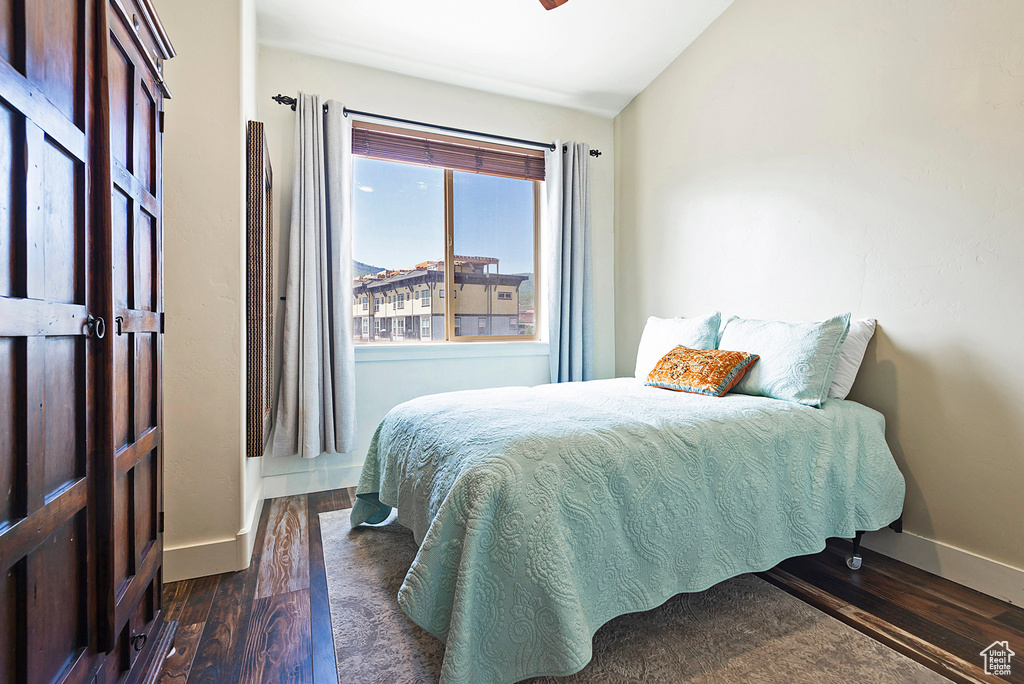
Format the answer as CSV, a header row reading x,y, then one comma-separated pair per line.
x,y
217,556
307,482
246,537
982,574
200,560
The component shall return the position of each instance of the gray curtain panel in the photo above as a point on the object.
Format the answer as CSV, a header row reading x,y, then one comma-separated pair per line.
x,y
570,267
316,398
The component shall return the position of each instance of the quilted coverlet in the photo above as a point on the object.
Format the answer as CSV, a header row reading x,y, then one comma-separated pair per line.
x,y
542,513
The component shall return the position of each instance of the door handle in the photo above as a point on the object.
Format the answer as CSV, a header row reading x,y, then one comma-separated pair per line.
x,y
95,327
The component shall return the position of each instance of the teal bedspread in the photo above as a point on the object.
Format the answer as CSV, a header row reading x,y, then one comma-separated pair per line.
x,y
542,513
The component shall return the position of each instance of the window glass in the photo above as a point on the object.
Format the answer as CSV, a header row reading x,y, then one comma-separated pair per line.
x,y
493,242
397,247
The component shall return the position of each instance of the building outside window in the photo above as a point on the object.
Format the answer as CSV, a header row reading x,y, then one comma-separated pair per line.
x,y
421,227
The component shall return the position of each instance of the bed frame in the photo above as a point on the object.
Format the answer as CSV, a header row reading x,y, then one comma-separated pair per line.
x,y
854,560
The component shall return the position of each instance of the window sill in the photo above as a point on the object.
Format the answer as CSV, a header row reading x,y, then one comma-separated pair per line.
x,y
418,351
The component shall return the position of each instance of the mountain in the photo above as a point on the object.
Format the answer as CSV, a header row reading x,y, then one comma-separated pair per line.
x,y
526,287
525,292
359,269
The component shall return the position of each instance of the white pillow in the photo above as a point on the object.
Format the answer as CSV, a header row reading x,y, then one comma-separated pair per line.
x,y
851,355
662,335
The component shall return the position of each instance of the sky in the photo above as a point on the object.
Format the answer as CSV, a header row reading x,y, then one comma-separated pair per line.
x,y
398,216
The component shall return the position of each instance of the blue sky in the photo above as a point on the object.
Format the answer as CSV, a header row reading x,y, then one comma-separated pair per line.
x,y
398,215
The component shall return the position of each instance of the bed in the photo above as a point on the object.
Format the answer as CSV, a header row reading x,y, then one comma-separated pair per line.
x,y
541,513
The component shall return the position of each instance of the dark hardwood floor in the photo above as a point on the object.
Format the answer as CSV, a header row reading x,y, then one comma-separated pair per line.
x,y
271,623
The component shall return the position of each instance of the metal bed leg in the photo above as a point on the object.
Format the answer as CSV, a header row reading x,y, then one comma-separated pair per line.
x,y
854,560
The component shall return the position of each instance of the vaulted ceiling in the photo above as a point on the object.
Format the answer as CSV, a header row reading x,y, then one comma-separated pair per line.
x,y
594,55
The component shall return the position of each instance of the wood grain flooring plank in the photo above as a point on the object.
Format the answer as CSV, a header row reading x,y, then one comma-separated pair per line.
x,y
177,666
217,656
1013,617
175,598
277,646
200,598
284,567
325,669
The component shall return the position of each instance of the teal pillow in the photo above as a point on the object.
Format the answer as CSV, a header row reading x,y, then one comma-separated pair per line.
x,y
797,360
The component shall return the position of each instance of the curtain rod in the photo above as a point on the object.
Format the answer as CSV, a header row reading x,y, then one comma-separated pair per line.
x,y
291,102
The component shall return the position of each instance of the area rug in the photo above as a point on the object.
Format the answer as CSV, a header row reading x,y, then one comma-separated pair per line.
x,y
741,630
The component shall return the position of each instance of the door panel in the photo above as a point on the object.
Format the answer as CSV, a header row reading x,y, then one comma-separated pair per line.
x,y
47,574
63,238
65,438
56,614
11,140
145,136
63,32
136,301
120,73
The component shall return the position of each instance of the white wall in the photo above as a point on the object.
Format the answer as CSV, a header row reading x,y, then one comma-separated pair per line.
x,y
203,288
387,377
807,157
211,492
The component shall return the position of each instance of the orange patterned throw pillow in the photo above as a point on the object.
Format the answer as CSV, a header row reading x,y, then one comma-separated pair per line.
x,y
701,371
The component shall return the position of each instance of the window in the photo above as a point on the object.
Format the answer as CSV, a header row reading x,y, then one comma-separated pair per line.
x,y
366,304
435,213
366,326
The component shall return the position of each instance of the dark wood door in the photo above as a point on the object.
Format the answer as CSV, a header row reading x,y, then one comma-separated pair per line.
x,y
130,460
47,364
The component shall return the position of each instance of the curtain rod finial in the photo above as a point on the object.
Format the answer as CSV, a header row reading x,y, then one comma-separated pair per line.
x,y
285,100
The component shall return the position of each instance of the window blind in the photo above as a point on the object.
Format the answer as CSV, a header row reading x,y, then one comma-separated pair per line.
x,y
418,147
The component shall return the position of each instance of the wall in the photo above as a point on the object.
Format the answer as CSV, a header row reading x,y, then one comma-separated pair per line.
x,y
206,496
387,377
807,157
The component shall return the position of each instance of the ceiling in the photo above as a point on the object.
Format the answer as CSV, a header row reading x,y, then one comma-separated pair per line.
x,y
594,55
